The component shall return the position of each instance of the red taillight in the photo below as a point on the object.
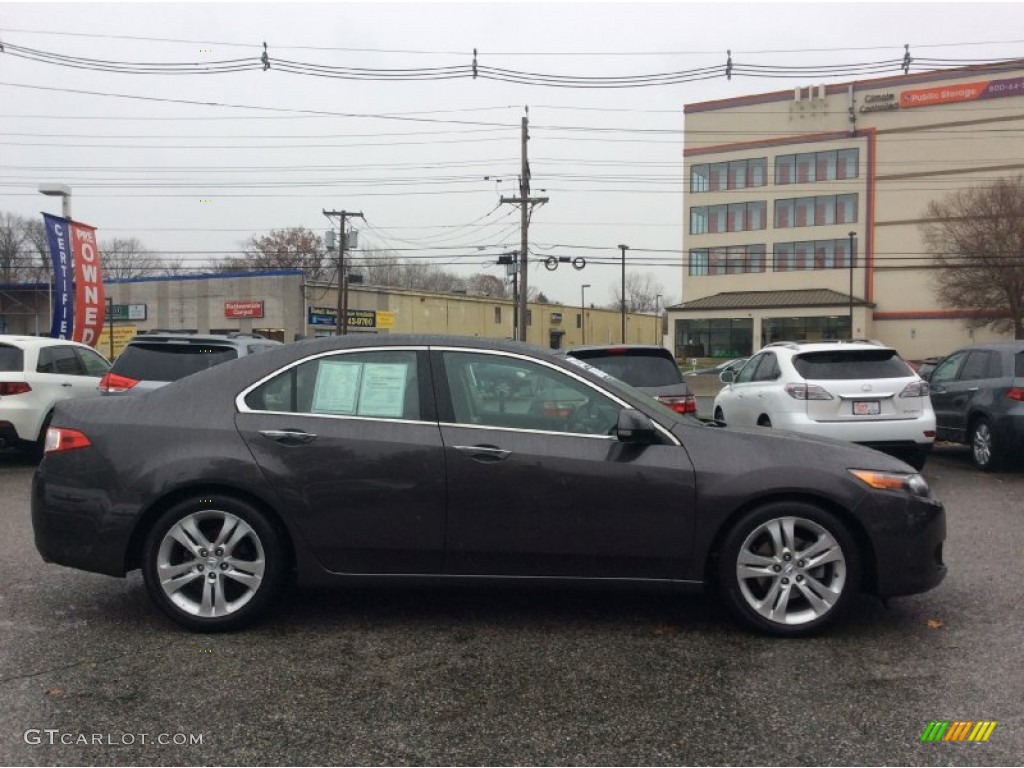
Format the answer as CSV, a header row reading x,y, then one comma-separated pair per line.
x,y
59,439
683,404
115,382
1015,393
14,388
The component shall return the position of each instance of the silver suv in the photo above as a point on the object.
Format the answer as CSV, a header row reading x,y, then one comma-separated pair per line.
x,y
859,391
155,358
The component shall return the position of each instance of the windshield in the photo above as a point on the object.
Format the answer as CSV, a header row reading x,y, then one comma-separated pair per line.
x,y
660,408
170,362
641,368
844,364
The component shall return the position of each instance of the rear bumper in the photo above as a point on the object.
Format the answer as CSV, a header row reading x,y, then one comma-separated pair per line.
x,y
894,433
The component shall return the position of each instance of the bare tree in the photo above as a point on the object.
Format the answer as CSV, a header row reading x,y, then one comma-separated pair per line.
x,y
642,291
976,237
12,243
122,258
292,248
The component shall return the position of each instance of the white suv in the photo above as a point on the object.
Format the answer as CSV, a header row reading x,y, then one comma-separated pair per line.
x,y
862,392
35,374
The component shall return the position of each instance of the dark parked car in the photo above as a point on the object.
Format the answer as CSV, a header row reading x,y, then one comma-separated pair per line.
x,y
649,368
155,358
978,397
358,459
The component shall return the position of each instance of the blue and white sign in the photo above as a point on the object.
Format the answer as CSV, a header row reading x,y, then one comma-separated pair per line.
x,y
58,235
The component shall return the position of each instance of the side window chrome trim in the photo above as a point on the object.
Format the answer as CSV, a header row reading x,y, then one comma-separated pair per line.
x,y
457,425
242,407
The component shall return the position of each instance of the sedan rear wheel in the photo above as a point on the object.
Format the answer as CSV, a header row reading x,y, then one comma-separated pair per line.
x,y
213,564
788,568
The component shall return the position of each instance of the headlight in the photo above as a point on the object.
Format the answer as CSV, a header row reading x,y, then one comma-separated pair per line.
x,y
893,481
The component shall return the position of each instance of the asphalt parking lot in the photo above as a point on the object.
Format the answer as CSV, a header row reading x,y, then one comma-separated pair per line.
x,y
91,674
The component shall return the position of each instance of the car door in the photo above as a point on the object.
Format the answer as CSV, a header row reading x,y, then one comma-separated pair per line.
x,y
947,399
58,374
538,485
762,393
350,442
739,398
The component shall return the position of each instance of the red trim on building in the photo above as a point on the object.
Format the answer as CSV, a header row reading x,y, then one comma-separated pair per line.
x,y
742,146
949,314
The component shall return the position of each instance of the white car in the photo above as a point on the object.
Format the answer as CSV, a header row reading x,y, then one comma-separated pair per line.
x,y
861,392
35,374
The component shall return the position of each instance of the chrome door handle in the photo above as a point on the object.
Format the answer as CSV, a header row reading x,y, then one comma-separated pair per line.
x,y
65,384
487,453
288,435
973,389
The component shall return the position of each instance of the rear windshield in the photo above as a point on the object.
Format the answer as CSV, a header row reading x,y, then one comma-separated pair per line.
x,y
638,368
852,364
13,359
169,362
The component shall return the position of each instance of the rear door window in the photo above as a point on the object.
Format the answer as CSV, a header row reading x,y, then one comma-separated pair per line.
x,y
981,364
845,364
59,359
11,358
170,362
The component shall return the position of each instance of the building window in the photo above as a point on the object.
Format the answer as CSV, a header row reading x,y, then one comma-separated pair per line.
x,y
812,254
734,217
698,220
579,320
809,167
727,260
720,337
819,211
805,328
736,174
700,178
699,261
497,315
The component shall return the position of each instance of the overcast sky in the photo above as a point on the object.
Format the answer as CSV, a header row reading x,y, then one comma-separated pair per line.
x,y
200,178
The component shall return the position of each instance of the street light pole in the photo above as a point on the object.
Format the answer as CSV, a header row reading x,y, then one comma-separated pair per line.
x,y
623,248
853,245
583,311
63,191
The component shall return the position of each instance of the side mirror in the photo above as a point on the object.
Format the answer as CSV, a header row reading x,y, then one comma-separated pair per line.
x,y
727,376
634,427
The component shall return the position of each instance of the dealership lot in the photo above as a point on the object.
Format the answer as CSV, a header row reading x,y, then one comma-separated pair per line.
x,y
90,674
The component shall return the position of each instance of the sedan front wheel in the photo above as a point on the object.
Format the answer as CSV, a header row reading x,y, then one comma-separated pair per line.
x,y
213,564
788,568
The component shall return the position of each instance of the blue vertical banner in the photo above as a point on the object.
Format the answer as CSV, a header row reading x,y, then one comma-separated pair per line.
x,y
58,235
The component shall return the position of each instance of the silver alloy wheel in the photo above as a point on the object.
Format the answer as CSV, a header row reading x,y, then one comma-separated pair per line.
x,y
210,563
791,570
981,444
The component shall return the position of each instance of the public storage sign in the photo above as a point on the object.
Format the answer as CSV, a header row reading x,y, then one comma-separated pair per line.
x,y
243,309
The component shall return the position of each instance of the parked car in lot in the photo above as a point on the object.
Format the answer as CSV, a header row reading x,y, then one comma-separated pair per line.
x,y
155,358
649,368
857,391
36,373
356,460
717,370
978,397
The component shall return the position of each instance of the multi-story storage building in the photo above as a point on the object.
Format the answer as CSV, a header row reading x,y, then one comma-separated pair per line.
x,y
804,208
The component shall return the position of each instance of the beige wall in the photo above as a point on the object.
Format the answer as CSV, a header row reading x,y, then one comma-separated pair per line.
x,y
921,154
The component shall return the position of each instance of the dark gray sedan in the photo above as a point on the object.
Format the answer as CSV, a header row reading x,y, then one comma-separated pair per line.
x,y
393,459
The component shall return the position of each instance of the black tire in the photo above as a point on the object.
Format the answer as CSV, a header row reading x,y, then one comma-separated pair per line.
x,y
815,593
985,452
34,449
719,416
764,421
917,459
230,572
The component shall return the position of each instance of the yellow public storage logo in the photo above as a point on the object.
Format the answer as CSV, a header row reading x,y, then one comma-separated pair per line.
x,y
958,730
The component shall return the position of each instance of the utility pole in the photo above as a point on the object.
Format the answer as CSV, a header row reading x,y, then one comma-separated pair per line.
x,y
623,248
341,326
525,202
